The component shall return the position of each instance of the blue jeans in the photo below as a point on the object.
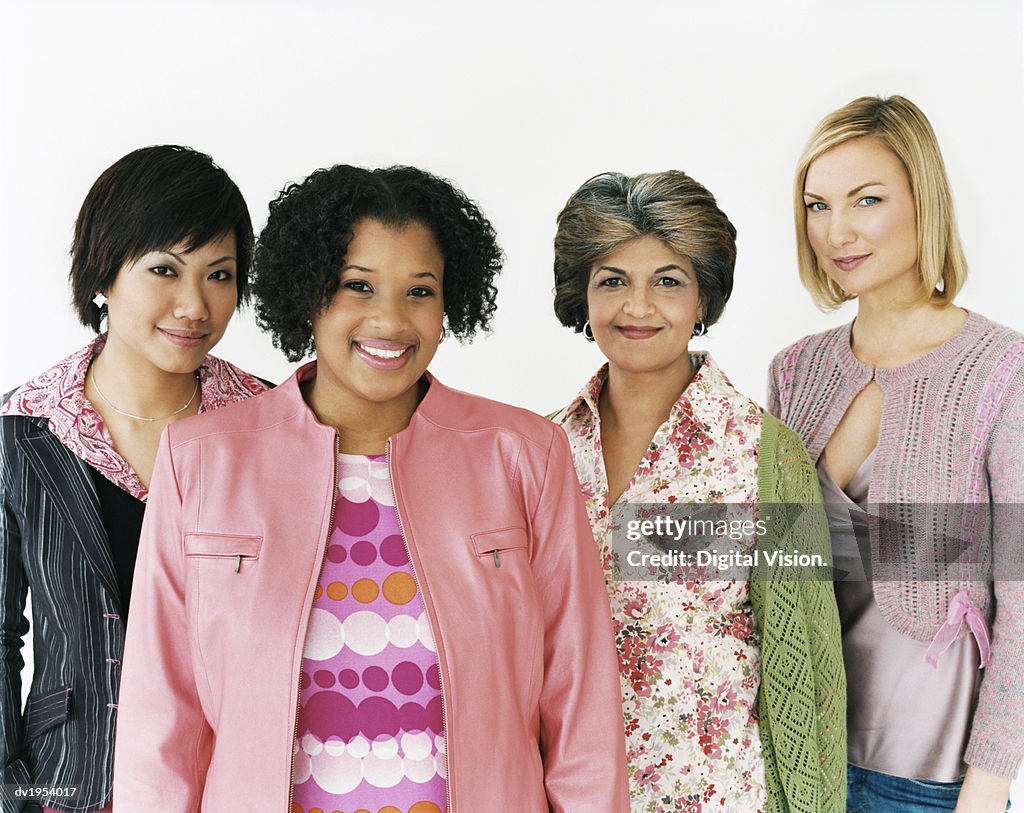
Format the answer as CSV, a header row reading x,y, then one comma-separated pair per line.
x,y
873,792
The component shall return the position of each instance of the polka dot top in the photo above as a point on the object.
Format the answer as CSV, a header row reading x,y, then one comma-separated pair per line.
x,y
370,735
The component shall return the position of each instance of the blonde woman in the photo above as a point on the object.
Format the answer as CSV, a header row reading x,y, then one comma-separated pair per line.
x,y
917,403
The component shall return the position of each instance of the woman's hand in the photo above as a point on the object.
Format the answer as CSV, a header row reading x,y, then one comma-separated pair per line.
x,y
982,792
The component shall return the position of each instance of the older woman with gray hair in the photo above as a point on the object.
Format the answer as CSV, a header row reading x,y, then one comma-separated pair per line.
x,y
733,688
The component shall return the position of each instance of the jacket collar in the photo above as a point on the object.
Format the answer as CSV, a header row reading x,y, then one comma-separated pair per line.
x,y
699,404
440,405
67,481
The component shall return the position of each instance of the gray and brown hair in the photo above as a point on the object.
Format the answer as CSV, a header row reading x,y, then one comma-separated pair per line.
x,y
612,208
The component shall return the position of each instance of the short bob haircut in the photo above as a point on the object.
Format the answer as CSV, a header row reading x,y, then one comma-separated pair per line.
x,y
302,249
153,199
905,130
611,209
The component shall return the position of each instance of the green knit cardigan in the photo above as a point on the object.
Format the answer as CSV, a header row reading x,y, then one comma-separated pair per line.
x,y
802,702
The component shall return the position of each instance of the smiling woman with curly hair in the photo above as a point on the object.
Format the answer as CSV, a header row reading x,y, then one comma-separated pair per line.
x,y
303,245
392,585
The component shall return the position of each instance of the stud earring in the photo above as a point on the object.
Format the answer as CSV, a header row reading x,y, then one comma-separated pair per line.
x,y
100,300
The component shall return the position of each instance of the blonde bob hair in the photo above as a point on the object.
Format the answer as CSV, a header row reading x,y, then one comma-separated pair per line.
x,y
905,130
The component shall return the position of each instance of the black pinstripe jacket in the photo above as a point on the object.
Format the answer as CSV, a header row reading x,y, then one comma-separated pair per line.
x,y
52,538
54,544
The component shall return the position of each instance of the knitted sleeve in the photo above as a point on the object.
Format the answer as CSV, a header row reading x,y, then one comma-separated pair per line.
x,y
803,683
774,402
781,373
997,733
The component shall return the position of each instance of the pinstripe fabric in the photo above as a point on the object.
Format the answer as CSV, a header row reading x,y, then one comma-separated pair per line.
x,y
52,539
53,542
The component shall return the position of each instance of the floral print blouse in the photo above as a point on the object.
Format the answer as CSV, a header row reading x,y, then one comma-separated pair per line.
x,y
688,653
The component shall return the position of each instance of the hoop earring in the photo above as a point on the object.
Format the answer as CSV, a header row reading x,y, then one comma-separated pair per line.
x,y
588,331
699,329
443,335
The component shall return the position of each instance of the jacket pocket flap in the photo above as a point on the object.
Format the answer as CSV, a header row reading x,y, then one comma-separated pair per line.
x,y
227,545
43,712
500,539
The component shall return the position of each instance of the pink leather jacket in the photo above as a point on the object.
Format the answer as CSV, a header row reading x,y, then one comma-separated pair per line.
x,y
239,513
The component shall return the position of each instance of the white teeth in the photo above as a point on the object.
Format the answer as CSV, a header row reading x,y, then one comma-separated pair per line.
x,y
380,353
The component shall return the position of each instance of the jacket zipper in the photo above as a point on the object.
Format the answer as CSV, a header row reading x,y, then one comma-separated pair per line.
x,y
298,681
449,806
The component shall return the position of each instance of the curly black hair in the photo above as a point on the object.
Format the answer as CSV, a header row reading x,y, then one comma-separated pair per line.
x,y
302,248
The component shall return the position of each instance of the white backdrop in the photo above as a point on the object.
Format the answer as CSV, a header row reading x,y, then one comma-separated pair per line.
x,y
518,107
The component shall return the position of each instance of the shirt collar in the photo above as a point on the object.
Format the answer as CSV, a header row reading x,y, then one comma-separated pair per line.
x,y
700,402
58,393
58,397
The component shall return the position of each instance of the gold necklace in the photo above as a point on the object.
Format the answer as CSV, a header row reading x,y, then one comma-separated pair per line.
x,y
188,403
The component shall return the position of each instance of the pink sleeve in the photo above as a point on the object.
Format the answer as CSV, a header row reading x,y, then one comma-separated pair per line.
x,y
581,725
997,733
780,378
163,742
774,403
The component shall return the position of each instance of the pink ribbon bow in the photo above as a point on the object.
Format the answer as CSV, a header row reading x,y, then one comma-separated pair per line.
x,y
960,610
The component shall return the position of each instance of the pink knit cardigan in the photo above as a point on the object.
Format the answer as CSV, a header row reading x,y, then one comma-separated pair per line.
x,y
952,432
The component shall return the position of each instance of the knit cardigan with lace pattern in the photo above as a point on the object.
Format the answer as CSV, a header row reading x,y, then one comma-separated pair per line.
x,y
952,433
802,701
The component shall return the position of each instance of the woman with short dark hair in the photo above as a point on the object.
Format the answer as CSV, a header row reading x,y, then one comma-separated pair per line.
x,y
161,252
392,583
732,684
